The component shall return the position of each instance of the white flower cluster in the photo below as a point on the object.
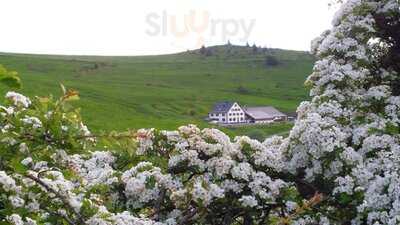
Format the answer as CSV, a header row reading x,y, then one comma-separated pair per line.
x,y
18,99
104,217
345,134
33,121
16,219
143,183
93,171
144,138
57,183
7,182
226,167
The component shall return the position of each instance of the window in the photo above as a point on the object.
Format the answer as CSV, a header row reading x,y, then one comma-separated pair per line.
x,y
223,119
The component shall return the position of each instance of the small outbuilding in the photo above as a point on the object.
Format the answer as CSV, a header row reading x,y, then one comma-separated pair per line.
x,y
265,114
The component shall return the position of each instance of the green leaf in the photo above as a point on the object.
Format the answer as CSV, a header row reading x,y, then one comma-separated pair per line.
x,y
150,182
345,198
392,129
17,165
87,209
9,78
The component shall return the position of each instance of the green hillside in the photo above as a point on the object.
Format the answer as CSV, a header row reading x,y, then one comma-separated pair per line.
x,y
168,90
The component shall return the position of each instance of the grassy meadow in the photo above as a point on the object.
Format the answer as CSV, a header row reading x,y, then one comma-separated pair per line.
x,y
167,91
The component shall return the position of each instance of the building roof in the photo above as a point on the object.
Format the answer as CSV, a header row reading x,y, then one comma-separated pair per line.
x,y
222,107
260,113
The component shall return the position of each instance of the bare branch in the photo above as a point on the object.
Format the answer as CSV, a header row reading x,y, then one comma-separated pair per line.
x,y
61,197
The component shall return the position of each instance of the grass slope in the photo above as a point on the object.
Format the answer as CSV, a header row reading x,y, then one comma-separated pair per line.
x,y
168,90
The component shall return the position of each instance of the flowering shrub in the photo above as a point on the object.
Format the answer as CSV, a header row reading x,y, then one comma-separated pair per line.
x,y
339,165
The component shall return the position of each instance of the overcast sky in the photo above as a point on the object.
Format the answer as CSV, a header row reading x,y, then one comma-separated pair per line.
x,y
128,27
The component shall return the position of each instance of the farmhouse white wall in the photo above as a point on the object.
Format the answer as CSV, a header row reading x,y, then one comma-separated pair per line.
x,y
220,117
236,114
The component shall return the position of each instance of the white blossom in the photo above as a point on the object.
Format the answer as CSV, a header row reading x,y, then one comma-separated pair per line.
x,y
248,201
18,99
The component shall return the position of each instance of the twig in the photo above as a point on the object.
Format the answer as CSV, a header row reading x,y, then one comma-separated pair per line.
x,y
188,217
63,199
159,204
69,221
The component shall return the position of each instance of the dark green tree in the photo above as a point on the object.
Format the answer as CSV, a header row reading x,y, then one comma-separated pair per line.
x,y
271,61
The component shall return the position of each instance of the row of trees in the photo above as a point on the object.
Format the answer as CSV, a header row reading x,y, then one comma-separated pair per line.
x,y
255,49
269,59
339,165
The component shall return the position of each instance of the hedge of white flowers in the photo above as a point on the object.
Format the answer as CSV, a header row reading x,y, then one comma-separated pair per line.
x,y
340,163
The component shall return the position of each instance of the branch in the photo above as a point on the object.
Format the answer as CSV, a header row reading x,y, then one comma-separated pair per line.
x,y
159,204
63,199
69,221
247,220
185,220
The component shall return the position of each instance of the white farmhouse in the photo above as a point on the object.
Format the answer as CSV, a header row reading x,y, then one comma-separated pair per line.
x,y
227,112
233,113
